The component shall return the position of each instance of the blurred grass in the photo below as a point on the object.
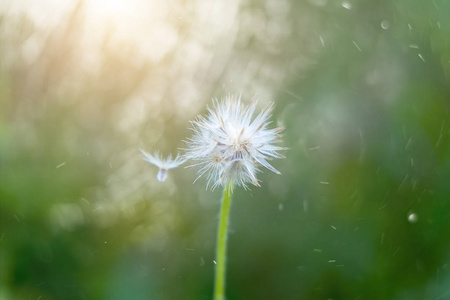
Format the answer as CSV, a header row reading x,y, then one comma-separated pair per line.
x,y
367,111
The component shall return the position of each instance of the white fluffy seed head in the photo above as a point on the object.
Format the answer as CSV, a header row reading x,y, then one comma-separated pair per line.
x,y
228,145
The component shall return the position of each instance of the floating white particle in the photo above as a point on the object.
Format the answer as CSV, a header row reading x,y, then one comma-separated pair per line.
x,y
214,262
385,24
97,209
412,218
314,148
324,182
332,261
333,227
408,143
280,206
414,46
322,41
395,252
346,5
317,250
357,47
421,57
60,165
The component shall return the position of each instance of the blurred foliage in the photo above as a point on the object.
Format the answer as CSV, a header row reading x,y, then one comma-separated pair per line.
x,y
361,211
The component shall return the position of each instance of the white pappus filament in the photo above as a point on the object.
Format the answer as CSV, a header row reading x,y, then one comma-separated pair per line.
x,y
228,145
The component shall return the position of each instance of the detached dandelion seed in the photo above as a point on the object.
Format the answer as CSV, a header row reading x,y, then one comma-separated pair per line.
x,y
163,164
228,146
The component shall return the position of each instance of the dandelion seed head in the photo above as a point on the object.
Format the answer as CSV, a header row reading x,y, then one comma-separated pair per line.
x,y
229,145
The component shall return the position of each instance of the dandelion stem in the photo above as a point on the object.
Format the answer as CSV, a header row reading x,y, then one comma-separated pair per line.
x,y
221,250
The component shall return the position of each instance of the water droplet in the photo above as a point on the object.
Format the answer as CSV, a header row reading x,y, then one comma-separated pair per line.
x,y
412,218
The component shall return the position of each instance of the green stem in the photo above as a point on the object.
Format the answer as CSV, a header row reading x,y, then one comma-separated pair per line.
x,y
221,250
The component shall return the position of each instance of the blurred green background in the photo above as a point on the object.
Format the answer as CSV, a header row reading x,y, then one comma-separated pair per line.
x,y
362,210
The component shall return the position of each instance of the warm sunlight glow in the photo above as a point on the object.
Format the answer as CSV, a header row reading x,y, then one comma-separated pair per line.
x,y
126,22
148,42
112,10
134,22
